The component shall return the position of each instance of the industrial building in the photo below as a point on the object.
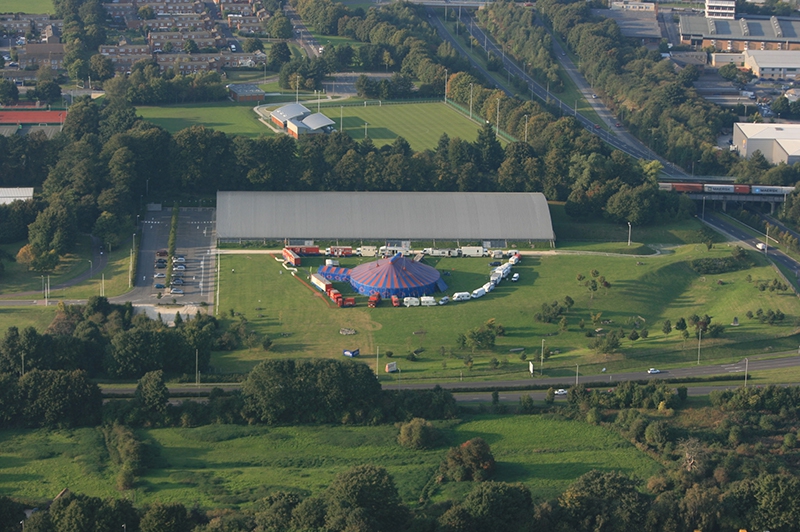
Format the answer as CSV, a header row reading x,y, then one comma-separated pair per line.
x,y
10,195
741,34
381,216
778,143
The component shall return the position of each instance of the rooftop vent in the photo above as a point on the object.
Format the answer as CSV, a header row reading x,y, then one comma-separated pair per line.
x,y
745,28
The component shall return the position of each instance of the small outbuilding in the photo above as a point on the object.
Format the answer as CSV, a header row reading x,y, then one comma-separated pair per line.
x,y
246,93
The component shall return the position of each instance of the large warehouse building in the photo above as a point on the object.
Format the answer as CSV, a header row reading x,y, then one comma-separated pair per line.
x,y
380,216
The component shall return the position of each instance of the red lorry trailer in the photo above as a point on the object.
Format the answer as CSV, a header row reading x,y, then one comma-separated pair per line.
x,y
374,301
291,257
304,250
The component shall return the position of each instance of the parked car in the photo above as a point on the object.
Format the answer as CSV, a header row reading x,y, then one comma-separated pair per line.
x,y
179,268
178,282
179,258
161,265
159,276
176,291
515,278
445,300
159,286
653,371
561,391
495,263
161,253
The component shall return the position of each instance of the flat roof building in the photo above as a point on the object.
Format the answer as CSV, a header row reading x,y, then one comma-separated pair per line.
x,y
282,115
725,9
773,64
742,34
245,93
380,216
778,143
310,125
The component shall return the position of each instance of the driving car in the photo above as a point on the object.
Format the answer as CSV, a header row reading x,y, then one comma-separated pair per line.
x,y
618,124
597,126
561,391
594,96
653,371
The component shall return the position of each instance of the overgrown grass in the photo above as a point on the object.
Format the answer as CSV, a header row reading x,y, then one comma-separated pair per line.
x,y
218,465
228,117
647,289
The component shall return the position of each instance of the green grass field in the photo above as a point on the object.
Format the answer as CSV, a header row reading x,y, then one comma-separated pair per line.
x,y
228,117
660,287
26,6
38,317
219,465
420,124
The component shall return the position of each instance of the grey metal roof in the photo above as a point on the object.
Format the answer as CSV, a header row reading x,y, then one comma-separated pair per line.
x,y
317,120
245,89
7,195
749,28
289,111
383,215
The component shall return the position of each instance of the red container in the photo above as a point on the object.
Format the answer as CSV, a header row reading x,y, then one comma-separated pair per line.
x,y
687,187
741,189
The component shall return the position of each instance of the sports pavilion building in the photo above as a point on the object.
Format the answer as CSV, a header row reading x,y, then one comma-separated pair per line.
x,y
384,216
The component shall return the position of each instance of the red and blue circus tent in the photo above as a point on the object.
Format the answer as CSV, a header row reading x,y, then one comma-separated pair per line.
x,y
396,276
334,273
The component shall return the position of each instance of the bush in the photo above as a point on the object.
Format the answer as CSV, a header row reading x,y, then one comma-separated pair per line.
x,y
418,434
472,460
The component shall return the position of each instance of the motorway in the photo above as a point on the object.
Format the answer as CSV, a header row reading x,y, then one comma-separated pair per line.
x,y
619,139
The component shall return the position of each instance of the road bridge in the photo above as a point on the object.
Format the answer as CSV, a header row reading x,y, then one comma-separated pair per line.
x,y
725,198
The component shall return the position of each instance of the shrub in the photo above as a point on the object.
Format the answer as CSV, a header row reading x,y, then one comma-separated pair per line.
x,y
418,434
472,460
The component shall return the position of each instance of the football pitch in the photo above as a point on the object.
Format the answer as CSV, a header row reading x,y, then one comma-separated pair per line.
x,y
421,124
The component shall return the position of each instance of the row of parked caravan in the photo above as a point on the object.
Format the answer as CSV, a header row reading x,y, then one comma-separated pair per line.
x,y
498,273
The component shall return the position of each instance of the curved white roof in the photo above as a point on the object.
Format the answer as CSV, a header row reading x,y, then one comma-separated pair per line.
x,y
317,121
289,111
384,215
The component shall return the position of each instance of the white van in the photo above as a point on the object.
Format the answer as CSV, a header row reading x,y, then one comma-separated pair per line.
x,y
461,296
427,301
411,301
479,292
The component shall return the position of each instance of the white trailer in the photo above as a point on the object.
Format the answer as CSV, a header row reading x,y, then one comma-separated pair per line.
x,y
473,251
427,301
367,251
411,301
461,296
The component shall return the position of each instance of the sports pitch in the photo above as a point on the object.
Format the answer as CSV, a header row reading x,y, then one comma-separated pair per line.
x,y
228,117
421,124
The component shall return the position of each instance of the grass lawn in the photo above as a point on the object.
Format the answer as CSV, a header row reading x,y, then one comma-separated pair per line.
x,y
17,278
226,464
228,117
420,124
34,7
658,288
38,317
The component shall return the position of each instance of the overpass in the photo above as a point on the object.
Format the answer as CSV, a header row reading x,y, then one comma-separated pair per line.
x,y
725,198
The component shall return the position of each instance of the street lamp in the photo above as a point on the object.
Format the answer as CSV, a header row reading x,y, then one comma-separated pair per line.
x,y
576,374
365,130
91,267
746,364
526,128
541,360
629,233
470,101
699,340
704,207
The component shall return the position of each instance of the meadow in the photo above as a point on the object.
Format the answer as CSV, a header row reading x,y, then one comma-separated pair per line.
x,y
648,289
421,124
228,117
27,6
219,465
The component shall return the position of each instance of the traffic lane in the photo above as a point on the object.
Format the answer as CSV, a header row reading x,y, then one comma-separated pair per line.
x,y
153,235
562,382
735,232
